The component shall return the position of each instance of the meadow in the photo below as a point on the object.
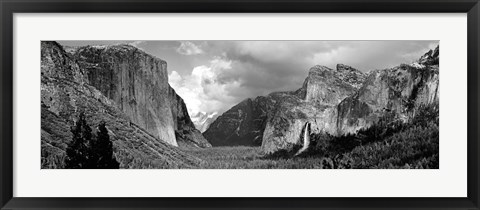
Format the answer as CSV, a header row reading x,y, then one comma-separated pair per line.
x,y
244,157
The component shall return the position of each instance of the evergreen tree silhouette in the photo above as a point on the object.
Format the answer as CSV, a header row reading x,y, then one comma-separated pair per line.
x,y
103,149
85,152
78,150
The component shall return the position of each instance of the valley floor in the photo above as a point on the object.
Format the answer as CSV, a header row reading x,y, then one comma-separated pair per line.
x,y
243,157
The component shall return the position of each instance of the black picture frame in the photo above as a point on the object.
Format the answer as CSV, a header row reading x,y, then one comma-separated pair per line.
x,y
9,7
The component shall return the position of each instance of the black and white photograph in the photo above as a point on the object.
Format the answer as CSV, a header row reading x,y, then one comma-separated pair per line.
x,y
238,104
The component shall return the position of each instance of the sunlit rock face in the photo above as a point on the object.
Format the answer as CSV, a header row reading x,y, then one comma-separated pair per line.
x,y
327,86
185,132
138,84
399,90
315,103
284,128
65,92
136,81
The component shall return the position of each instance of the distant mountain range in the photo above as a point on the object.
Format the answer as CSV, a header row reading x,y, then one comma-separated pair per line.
x,y
334,101
202,120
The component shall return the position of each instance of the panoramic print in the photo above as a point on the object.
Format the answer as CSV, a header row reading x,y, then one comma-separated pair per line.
x,y
239,104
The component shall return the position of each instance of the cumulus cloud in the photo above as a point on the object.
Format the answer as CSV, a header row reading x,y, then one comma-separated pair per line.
x,y
202,91
189,48
267,66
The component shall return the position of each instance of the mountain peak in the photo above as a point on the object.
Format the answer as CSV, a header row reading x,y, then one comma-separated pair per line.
x,y
202,120
431,57
347,68
318,69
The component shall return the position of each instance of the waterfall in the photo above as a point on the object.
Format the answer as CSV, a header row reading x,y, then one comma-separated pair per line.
x,y
306,138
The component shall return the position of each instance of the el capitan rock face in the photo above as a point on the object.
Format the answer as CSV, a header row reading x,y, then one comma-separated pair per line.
x,y
138,84
135,81
65,92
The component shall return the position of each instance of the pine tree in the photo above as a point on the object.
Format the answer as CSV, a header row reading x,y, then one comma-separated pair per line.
x,y
89,153
103,149
78,152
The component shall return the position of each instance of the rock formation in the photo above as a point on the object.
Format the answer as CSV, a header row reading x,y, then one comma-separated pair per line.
x,y
185,132
138,84
334,101
108,88
247,122
244,123
400,90
135,81
314,103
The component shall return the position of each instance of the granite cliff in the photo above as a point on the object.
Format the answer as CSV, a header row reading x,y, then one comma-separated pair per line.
x,y
124,87
185,132
399,90
138,83
315,102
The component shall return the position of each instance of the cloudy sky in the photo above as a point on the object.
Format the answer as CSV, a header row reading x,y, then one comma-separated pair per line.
x,y
213,76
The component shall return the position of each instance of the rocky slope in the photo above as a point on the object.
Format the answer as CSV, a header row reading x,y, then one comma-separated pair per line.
x,y
137,82
335,101
243,124
66,91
